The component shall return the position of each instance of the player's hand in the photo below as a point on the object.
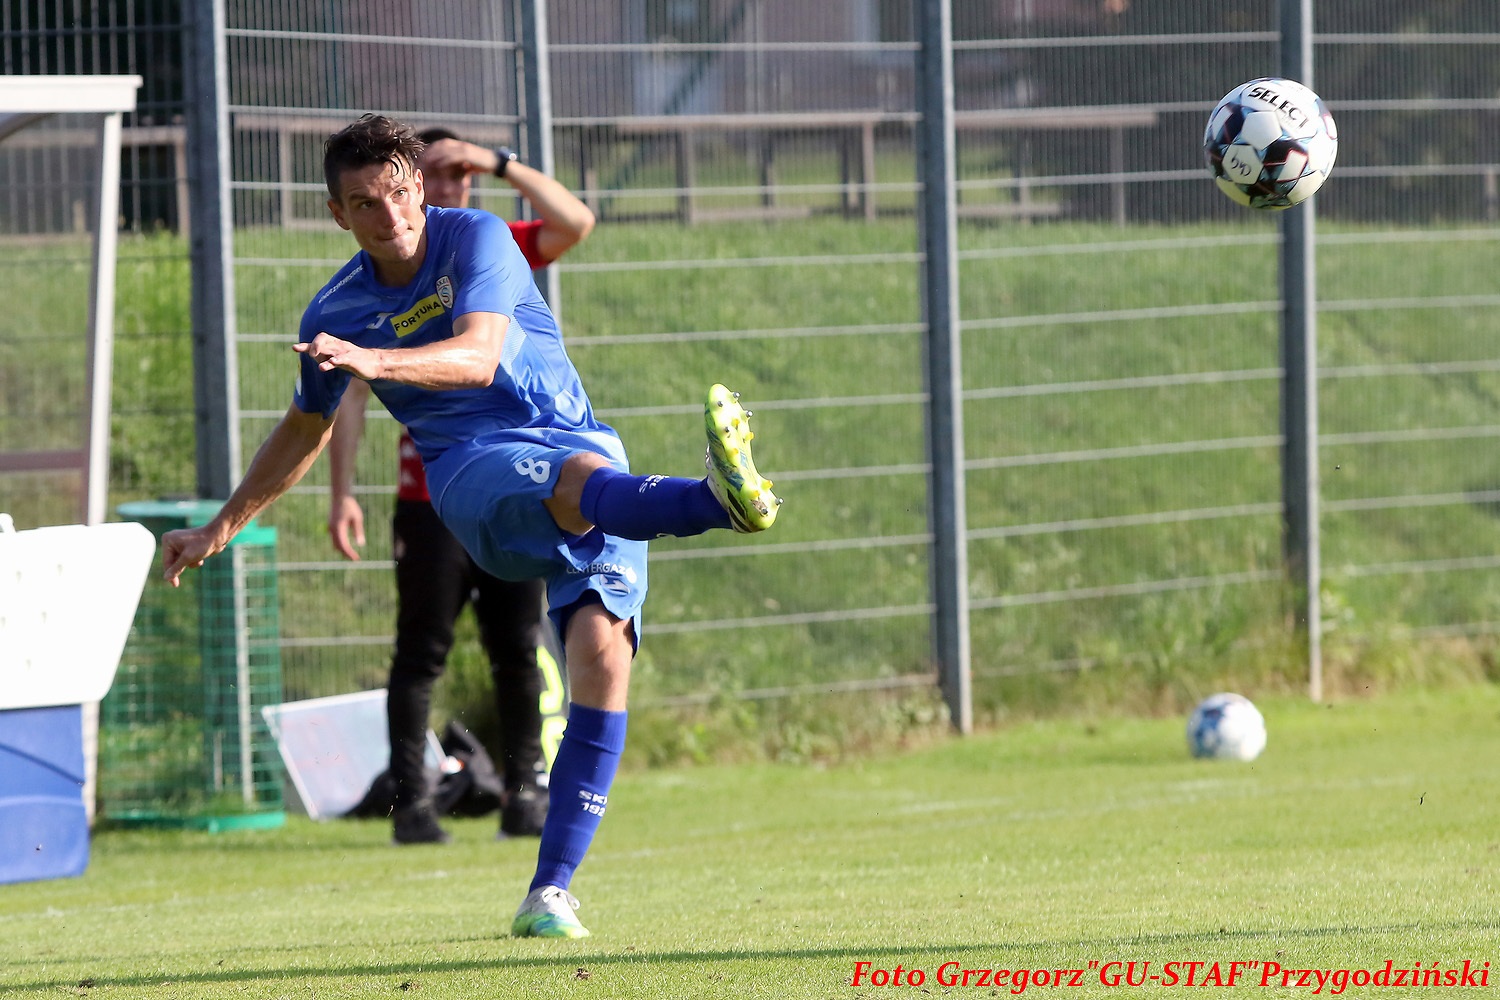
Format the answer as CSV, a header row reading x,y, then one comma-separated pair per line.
x,y
457,157
187,548
345,518
330,352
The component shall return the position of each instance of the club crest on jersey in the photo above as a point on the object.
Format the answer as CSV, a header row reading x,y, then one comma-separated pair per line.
x,y
445,291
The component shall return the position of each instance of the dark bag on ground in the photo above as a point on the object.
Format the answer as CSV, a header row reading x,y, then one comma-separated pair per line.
x,y
471,790
474,789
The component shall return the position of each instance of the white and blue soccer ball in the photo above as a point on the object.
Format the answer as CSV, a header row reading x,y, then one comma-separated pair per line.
x,y
1270,143
1227,727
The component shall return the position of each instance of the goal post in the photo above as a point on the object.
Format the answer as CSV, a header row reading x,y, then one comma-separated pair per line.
x,y
25,103
56,120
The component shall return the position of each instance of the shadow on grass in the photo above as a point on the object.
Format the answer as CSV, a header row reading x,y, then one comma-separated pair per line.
x,y
574,959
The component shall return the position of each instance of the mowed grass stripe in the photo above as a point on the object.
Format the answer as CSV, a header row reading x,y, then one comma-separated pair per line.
x,y
1366,832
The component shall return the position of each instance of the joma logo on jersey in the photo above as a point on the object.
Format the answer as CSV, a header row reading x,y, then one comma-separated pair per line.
x,y
411,321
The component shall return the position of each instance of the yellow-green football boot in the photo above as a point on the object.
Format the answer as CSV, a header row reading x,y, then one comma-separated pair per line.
x,y
739,489
548,912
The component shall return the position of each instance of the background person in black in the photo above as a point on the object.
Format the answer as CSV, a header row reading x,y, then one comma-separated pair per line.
x,y
435,577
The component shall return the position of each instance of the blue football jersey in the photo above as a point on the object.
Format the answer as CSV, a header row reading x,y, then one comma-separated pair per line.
x,y
472,265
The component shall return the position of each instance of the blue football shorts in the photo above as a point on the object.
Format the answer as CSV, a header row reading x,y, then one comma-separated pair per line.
x,y
489,493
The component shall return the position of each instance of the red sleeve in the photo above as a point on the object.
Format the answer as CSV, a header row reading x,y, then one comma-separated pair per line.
x,y
411,483
526,234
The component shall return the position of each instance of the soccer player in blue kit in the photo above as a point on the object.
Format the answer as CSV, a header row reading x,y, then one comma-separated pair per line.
x,y
439,313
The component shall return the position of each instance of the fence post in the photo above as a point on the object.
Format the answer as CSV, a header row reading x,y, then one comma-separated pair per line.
x,y
534,87
1299,352
216,392
945,418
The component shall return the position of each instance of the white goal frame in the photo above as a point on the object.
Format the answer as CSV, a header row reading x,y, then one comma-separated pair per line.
x,y
25,100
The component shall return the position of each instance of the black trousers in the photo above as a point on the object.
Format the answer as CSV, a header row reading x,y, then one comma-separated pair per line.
x,y
435,579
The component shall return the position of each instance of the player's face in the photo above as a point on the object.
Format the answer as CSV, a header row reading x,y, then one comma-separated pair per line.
x,y
382,206
446,187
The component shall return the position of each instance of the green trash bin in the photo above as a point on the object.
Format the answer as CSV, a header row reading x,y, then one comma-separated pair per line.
x,y
182,740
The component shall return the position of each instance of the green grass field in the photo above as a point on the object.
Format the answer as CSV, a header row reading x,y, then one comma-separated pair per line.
x,y
1368,831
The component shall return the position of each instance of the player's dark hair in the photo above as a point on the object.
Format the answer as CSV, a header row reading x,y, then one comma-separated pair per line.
x,y
432,135
372,140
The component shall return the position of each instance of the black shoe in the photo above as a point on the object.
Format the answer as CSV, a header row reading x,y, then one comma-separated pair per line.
x,y
418,824
524,812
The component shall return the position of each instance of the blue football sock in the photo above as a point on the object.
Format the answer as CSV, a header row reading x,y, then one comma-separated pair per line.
x,y
582,772
647,507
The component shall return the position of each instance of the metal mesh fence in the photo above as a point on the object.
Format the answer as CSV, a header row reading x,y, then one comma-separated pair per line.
x,y
47,244
752,165
753,168
183,740
1407,350
152,413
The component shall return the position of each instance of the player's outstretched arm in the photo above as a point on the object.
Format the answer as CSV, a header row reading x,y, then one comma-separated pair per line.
x,y
466,360
346,520
284,458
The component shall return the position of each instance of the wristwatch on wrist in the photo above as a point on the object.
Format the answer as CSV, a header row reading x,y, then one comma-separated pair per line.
x,y
505,155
